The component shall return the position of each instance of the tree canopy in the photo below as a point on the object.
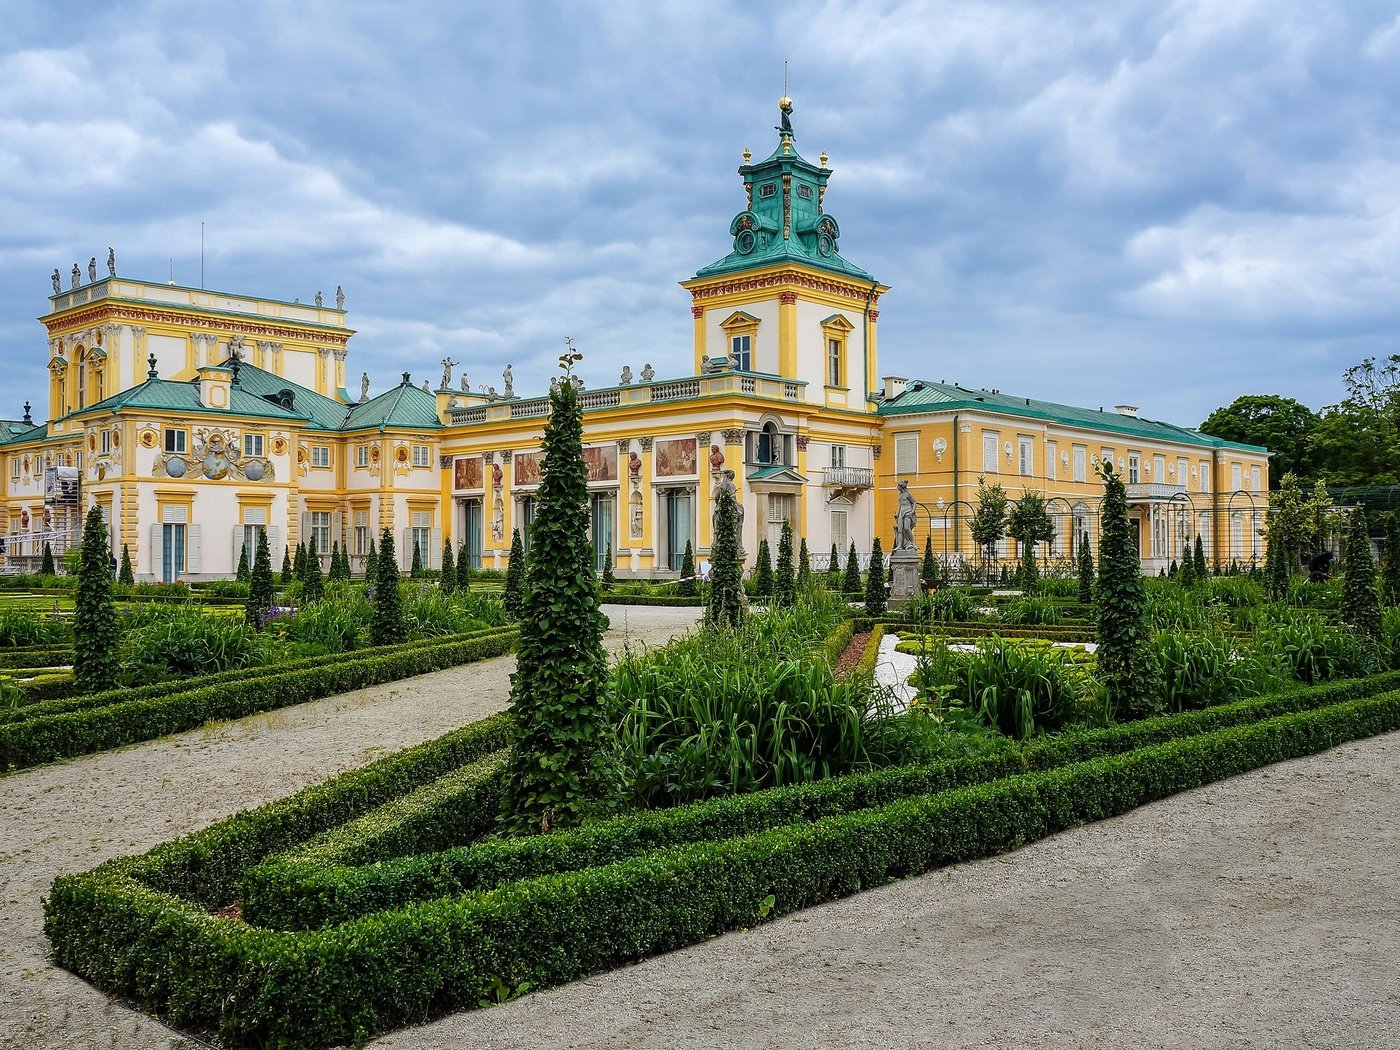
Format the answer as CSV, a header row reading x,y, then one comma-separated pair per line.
x,y
1286,427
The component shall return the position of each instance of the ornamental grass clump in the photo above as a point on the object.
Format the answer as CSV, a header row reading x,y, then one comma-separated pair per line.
x,y
1312,651
96,631
1018,689
177,642
1198,670
558,771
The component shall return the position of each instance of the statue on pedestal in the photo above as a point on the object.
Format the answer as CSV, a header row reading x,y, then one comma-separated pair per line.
x,y
508,382
364,386
447,365
339,298
77,275
905,516
92,269
111,262
318,297
57,281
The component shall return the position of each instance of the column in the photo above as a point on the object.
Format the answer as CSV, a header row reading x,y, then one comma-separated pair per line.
x,y
787,335
704,487
648,493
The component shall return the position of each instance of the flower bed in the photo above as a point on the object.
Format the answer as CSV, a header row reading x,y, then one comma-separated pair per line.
x,y
548,909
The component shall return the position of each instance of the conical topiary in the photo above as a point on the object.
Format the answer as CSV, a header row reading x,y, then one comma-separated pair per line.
x,y
386,624
1199,556
286,565
876,595
928,570
448,583
833,570
763,571
464,569
46,567
260,588
1086,569
1124,665
686,587
125,575
313,587
804,566
609,578
851,584
725,607
1361,607
244,573
371,563
784,578
96,631
416,569
513,595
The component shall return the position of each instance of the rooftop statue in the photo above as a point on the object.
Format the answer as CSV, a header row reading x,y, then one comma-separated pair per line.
x,y
447,365
111,262
57,281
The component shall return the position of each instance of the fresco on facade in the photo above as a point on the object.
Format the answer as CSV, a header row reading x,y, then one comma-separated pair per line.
x,y
602,462
527,468
466,472
675,457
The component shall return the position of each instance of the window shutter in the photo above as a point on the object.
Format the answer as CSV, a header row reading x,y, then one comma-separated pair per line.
x,y
156,562
433,555
989,452
336,525
238,548
305,526
906,454
274,547
406,551
193,561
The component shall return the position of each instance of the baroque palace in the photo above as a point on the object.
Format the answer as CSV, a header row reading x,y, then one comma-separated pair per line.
x,y
196,418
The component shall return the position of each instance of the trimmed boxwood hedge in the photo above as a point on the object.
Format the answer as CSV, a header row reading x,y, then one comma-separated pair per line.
x,y
304,889
37,656
44,737
338,985
50,685
606,597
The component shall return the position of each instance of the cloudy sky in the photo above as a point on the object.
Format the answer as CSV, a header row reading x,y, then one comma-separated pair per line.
x,y
1169,204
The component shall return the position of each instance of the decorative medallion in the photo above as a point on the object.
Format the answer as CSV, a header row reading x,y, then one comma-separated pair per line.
x,y
279,446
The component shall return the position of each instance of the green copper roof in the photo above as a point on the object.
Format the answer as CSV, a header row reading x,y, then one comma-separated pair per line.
x,y
167,395
921,395
14,430
324,413
404,406
785,221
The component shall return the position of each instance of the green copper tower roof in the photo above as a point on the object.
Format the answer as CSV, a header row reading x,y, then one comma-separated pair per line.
x,y
784,221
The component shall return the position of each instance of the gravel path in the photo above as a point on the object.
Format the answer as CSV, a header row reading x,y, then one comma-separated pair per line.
x,y
70,817
1263,911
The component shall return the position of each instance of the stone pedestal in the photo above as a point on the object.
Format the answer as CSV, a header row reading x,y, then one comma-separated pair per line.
x,y
904,574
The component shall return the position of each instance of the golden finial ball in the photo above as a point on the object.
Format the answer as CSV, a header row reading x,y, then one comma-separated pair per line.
x,y
785,104
823,158
748,155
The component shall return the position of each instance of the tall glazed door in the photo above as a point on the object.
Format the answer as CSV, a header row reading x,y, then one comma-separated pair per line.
x,y
472,532
603,510
172,555
678,527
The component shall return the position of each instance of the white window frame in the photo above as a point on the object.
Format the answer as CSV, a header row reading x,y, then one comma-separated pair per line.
x,y
1052,450
421,536
834,348
105,442
906,453
320,532
320,455
841,531
1080,458
838,457
253,445
362,531
741,352
1236,477
176,440
1256,477
991,451
1159,469
1025,455
362,456
1205,475
422,456
1134,468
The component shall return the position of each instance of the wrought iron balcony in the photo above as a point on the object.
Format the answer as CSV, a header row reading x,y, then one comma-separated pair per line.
x,y
1149,491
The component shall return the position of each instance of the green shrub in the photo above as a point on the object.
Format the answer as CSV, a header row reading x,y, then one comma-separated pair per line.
x,y
1031,611
1315,652
95,624
1019,689
386,625
516,581
187,645
22,628
1202,670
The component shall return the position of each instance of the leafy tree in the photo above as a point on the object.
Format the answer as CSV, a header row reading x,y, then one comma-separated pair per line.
x,y
1029,524
1086,569
784,575
464,569
686,588
1286,427
386,624
513,595
313,587
988,523
416,569
557,772
763,571
726,602
371,563
610,578
46,567
833,570
1124,665
1357,441
448,583
804,566
125,575
852,585
96,631
1202,570
260,587
876,594
1289,527
244,574
928,570
286,565
1323,514
1361,606
1390,563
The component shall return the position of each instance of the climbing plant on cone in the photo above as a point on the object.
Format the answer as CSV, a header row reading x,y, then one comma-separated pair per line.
x,y
876,595
851,584
386,626
1124,666
726,602
1361,605
686,587
513,594
260,587
557,772
763,571
448,583
96,631
784,575
125,575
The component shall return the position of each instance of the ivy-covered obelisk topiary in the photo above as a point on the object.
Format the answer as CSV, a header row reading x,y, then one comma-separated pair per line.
x,y
1361,606
1199,556
928,568
609,578
804,566
286,577
124,574
725,607
763,571
313,584
513,594
299,565
46,567
371,563
876,594
1124,666
1086,569
852,585
416,569
1187,576
96,632
244,573
686,587
557,772
260,587
784,575
464,569
386,625
448,583
833,570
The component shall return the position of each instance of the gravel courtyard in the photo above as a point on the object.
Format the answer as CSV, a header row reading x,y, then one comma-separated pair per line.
x,y
1263,911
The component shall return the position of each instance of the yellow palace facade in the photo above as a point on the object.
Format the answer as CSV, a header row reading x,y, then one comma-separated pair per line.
x,y
195,418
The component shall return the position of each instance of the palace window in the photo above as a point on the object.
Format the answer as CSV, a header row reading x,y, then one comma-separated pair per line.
x,y
175,441
105,442
320,531
362,455
320,455
421,456
1234,477
1050,454
1205,475
906,453
1183,470
253,445
361,531
990,440
1159,469
1134,468
741,352
422,537
1081,461
1026,451
833,363
1255,478
838,456
840,536
14,469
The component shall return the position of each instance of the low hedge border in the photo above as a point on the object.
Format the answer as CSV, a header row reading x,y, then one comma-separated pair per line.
x,y
836,643
607,598
870,655
243,674
294,892
72,733
46,686
258,987
37,656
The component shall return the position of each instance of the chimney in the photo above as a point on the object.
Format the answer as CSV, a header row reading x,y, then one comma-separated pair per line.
x,y
1126,410
894,386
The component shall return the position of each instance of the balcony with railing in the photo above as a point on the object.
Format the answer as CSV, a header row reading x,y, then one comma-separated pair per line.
x,y
684,389
1152,492
848,477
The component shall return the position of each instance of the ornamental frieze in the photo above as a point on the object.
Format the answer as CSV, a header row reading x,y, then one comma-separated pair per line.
x,y
854,292
126,313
